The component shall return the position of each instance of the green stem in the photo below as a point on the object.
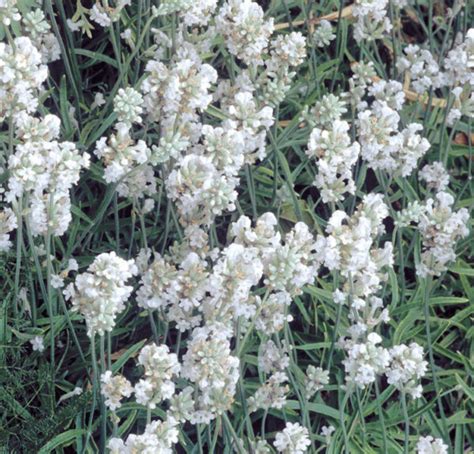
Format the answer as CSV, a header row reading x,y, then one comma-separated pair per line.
x,y
431,355
199,437
342,422
153,326
407,423
228,424
148,415
381,417
217,429
252,324
49,289
103,408
95,385
19,240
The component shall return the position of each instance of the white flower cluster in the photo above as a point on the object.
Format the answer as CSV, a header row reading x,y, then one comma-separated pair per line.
x,y
120,154
383,146
102,14
423,69
114,388
286,53
37,344
202,162
209,364
371,19
380,143
9,12
271,358
440,228
365,360
246,32
435,176
100,293
406,368
403,365
287,267
323,34
389,91
8,223
44,170
439,225
272,394
197,13
160,367
38,29
315,380
178,91
363,77
459,62
175,289
335,156
426,73
252,122
325,112
182,405
293,439
327,432
233,276
159,437
430,445
22,75
200,190
349,246
412,213
127,162
41,169
172,6
128,105
188,290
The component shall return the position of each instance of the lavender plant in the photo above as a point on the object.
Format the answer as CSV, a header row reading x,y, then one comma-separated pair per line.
x,y
236,226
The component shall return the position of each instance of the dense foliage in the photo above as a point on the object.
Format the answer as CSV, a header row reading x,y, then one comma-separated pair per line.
x,y
236,226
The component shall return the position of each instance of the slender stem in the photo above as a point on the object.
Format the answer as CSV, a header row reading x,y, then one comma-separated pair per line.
x,y
11,40
361,416
251,190
71,327
431,355
407,422
217,429
109,350
19,240
333,341
153,326
243,401
148,415
342,422
402,264
198,431
118,58
117,224
264,420
238,446
94,391
381,417
49,268
11,131
252,324
103,408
